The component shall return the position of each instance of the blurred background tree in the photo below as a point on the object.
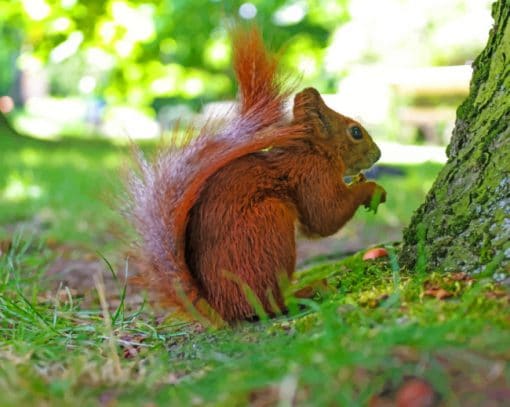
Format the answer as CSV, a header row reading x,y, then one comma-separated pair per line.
x,y
145,53
137,51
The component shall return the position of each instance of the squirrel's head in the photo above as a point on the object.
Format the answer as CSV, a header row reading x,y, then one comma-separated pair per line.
x,y
345,136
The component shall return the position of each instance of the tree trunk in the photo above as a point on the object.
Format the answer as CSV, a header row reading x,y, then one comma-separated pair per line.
x,y
464,223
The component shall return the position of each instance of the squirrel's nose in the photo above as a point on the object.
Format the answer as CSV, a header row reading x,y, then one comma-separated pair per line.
x,y
377,154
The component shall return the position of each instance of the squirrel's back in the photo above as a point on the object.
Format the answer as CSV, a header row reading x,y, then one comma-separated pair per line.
x,y
243,217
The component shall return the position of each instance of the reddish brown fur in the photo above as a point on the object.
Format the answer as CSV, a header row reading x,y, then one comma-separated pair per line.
x,y
220,213
255,69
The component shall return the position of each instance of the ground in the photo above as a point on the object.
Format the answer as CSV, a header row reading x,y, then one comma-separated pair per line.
x,y
71,333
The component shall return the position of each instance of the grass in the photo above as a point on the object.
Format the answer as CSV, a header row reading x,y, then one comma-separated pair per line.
x,y
362,338
62,190
356,342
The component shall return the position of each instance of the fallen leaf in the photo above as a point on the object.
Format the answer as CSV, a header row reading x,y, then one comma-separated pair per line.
x,y
375,253
438,293
311,289
416,393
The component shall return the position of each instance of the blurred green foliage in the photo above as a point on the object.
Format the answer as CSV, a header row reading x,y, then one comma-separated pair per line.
x,y
149,52
138,51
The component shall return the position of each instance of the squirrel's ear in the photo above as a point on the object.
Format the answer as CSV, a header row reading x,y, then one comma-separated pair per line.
x,y
310,108
306,103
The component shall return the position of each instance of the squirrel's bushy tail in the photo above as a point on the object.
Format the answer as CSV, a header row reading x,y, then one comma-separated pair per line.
x,y
261,86
163,192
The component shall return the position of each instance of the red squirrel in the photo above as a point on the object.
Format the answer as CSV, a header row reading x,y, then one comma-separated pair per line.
x,y
217,214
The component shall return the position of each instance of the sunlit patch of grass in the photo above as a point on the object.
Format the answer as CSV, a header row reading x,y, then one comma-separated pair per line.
x,y
63,191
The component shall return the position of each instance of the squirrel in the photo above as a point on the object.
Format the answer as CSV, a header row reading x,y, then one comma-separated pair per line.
x,y
216,213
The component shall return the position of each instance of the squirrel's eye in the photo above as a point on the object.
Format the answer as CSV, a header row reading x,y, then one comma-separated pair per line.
x,y
356,133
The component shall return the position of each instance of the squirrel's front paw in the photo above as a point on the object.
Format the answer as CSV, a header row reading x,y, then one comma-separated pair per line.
x,y
377,197
379,192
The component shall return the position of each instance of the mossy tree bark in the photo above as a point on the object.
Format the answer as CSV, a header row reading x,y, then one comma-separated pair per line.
x,y
464,223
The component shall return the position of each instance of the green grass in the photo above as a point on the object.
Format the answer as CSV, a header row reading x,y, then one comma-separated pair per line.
x,y
362,337
62,190
365,335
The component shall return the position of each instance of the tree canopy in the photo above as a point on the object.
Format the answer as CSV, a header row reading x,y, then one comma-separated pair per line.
x,y
138,51
144,50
